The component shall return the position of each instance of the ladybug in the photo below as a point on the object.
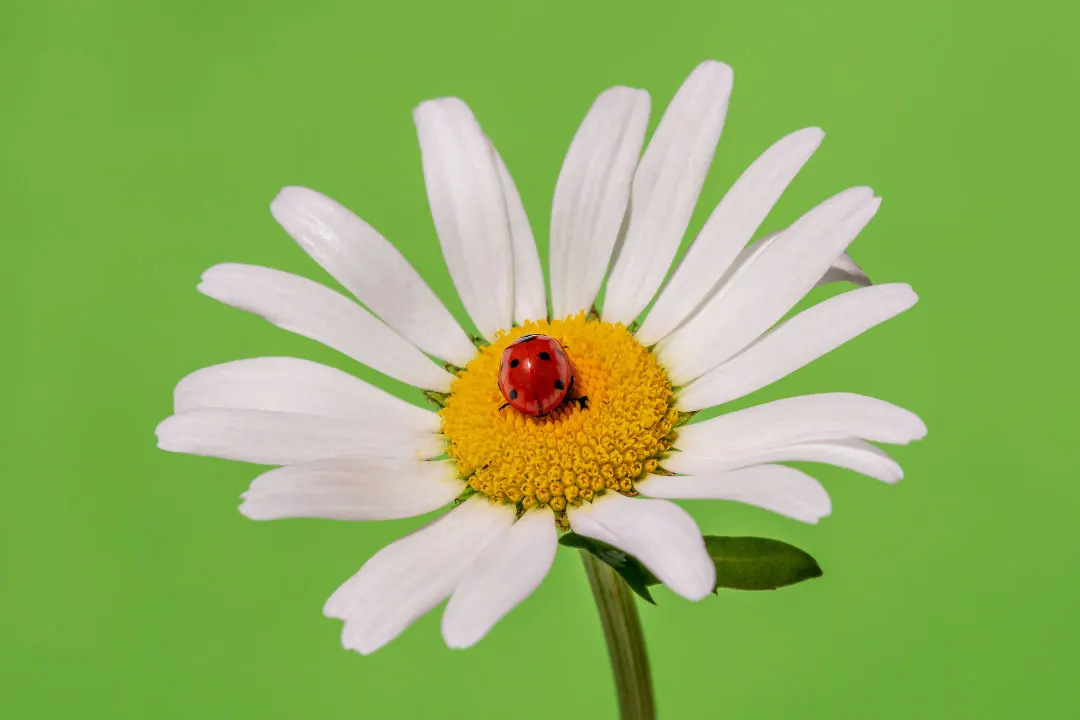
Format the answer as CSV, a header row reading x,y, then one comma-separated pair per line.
x,y
535,376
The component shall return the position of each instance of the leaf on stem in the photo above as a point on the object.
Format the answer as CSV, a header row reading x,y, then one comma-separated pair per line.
x,y
742,563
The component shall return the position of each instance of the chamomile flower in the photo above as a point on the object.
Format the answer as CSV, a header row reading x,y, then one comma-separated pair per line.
x,y
607,468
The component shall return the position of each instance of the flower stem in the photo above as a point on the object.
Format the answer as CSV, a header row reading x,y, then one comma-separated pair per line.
x,y
625,641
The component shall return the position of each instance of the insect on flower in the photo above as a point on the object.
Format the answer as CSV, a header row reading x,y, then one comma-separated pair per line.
x,y
535,376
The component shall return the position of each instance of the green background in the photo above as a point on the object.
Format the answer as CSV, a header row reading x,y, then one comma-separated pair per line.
x,y
141,142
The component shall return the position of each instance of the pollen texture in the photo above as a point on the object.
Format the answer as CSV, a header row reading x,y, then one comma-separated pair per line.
x,y
575,453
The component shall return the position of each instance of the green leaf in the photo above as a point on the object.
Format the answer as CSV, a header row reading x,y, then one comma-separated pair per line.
x,y
629,568
742,563
752,563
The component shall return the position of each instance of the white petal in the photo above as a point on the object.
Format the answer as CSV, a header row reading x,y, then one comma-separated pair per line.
x,y
404,580
792,421
353,489
307,308
591,196
767,288
469,209
844,269
293,385
852,454
659,534
777,488
283,438
504,574
373,270
530,300
666,188
840,270
742,262
797,342
451,525
727,231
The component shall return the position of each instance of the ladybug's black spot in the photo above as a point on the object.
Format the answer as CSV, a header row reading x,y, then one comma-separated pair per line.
x,y
513,394
514,363
558,385
544,356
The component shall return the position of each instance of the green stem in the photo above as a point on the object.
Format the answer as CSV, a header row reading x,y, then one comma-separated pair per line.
x,y
625,641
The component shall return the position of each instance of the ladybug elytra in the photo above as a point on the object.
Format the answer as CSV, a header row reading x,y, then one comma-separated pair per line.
x,y
535,376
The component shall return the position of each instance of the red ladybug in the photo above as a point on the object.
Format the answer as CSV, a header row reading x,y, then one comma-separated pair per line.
x,y
535,376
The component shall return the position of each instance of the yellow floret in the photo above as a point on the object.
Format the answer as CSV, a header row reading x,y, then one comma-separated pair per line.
x,y
574,454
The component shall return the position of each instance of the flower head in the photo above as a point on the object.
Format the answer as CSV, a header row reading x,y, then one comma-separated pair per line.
x,y
605,466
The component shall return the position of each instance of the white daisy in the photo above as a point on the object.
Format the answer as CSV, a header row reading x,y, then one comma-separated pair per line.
x,y
350,451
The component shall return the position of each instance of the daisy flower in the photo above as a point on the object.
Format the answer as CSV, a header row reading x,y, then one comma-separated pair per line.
x,y
607,468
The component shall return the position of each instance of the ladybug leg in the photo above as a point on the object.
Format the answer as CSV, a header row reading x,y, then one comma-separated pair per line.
x,y
503,407
583,401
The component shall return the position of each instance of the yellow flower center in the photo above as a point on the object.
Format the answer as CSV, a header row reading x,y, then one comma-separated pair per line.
x,y
573,454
